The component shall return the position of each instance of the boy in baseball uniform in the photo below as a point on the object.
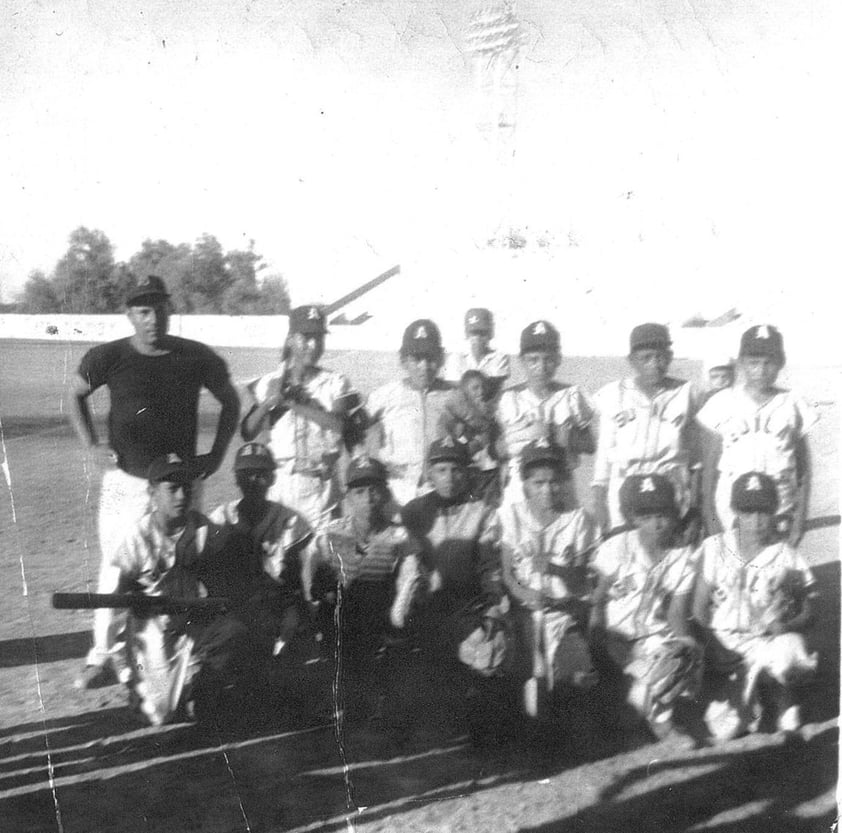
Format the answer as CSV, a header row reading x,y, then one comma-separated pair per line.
x,y
405,416
541,407
546,549
479,332
641,609
645,427
276,534
302,408
758,426
755,597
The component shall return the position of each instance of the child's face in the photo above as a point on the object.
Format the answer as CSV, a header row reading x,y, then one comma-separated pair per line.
x,y
306,350
541,366
544,489
366,501
650,364
474,390
171,500
655,530
720,378
756,524
760,372
448,478
254,483
421,370
479,342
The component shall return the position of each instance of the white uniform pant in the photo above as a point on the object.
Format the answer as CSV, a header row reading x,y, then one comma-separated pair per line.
x,y
314,497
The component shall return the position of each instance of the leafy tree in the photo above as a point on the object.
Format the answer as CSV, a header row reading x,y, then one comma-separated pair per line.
x,y
274,296
82,278
39,295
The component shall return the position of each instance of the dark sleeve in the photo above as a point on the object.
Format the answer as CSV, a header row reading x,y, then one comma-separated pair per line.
x,y
215,376
95,365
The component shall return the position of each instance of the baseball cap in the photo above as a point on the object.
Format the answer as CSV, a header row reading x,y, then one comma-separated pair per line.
x,y
422,338
647,494
479,320
447,448
253,456
540,335
651,336
363,470
763,340
153,288
307,320
754,492
542,452
170,467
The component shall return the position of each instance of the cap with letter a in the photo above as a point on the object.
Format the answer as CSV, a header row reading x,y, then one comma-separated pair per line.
x,y
448,449
542,452
754,492
763,340
363,470
254,456
649,337
421,338
479,320
307,320
170,467
540,336
647,494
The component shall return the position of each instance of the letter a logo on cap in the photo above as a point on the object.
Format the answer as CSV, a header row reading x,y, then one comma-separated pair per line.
x,y
753,484
763,331
421,332
312,313
647,485
539,329
174,458
542,443
447,442
473,319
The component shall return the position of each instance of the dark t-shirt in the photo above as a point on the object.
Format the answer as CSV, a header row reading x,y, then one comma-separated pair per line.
x,y
154,399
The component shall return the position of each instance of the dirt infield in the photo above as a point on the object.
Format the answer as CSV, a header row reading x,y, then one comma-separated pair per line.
x,y
75,761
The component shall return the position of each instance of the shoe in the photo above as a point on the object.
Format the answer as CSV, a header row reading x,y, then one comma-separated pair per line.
x,y
97,676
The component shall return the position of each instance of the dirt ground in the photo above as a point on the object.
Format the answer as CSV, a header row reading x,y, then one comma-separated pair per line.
x,y
76,761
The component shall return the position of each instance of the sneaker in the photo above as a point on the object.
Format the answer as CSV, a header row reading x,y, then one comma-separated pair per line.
x,y
97,676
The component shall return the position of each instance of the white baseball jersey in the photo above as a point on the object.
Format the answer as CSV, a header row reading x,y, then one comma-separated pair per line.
x,y
757,438
553,558
493,364
276,533
639,435
641,589
409,420
742,592
294,439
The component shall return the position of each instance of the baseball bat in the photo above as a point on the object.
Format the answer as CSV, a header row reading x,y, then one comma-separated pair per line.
x,y
137,602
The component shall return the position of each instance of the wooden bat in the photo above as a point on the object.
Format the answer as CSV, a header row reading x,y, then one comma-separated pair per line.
x,y
137,602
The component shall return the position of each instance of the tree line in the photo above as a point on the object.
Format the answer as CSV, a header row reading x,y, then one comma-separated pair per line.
x,y
202,278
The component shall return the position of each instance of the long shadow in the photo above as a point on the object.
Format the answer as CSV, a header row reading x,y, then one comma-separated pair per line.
x,y
52,648
821,699
772,781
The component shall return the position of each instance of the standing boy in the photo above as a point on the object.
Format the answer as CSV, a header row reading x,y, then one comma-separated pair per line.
x,y
758,426
302,407
645,427
479,331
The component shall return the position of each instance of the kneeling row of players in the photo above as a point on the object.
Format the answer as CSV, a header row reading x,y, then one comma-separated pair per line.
x,y
527,593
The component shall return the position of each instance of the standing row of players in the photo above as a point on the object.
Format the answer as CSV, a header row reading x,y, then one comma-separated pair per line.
x,y
517,563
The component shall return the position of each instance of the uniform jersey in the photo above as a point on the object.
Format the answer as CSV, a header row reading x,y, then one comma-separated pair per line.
x,y
459,545
640,589
295,440
407,421
742,592
274,535
553,559
757,438
493,364
639,435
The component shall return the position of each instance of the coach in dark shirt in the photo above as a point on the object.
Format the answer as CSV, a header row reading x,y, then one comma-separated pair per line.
x,y
154,381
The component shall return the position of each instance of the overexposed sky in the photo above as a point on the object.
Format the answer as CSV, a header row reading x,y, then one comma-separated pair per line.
x,y
680,147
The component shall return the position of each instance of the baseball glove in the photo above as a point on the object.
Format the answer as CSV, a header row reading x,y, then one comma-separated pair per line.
x,y
676,672
785,602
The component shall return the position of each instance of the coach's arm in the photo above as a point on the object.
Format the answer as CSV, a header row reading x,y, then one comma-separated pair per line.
x,y
229,400
80,417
